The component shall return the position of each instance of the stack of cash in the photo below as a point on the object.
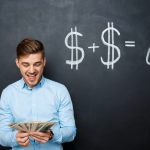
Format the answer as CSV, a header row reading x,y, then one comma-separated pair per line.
x,y
32,126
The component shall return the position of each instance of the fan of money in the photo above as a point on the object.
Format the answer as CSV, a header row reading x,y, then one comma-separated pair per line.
x,y
32,126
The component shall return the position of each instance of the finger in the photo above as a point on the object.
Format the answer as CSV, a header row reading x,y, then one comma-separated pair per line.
x,y
42,141
22,134
41,137
37,133
22,140
25,144
40,134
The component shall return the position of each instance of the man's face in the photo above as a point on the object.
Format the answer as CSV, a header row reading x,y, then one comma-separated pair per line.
x,y
31,68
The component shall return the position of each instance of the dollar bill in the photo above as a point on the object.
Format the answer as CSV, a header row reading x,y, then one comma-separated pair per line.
x,y
32,126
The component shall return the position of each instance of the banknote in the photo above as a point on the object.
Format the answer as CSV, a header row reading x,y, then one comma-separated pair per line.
x,y
32,126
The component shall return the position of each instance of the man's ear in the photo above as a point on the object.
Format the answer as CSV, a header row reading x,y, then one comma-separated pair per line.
x,y
17,62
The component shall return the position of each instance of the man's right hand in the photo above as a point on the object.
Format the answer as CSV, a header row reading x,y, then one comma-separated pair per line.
x,y
23,138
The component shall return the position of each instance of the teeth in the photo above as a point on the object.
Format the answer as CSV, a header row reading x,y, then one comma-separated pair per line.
x,y
31,75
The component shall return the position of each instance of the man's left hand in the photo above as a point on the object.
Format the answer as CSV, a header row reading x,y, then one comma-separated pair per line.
x,y
41,137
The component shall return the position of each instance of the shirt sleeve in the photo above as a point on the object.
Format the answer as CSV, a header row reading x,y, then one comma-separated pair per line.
x,y
65,129
7,135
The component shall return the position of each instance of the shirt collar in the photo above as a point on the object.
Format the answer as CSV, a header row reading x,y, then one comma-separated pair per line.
x,y
24,85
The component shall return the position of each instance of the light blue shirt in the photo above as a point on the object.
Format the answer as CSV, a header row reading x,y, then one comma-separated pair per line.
x,y
47,101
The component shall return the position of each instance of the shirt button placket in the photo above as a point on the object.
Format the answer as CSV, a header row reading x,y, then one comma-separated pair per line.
x,y
34,114
34,106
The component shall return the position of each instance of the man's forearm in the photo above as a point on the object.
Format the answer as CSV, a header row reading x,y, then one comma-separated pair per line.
x,y
8,138
65,134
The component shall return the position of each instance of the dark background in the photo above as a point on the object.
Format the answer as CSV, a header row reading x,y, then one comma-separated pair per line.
x,y
111,106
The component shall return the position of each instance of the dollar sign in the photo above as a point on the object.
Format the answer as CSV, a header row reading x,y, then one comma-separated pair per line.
x,y
73,48
110,45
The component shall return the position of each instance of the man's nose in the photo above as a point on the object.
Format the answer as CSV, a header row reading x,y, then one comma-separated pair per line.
x,y
31,69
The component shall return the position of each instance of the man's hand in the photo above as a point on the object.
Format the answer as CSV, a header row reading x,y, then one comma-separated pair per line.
x,y
23,138
42,137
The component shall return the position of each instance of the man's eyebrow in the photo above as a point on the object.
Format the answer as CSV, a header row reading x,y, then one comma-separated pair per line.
x,y
24,63
38,62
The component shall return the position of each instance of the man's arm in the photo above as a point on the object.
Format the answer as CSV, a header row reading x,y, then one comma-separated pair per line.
x,y
65,129
7,136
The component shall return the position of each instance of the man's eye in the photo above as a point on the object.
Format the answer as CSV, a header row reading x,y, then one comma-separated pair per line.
x,y
37,64
25,65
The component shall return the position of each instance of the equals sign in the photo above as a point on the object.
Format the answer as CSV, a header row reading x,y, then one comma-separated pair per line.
x,y
130,43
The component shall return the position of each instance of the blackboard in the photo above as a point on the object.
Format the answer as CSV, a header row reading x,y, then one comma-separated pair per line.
x,y
111,102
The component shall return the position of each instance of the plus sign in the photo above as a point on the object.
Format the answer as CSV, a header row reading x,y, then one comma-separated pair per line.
x,y
93,47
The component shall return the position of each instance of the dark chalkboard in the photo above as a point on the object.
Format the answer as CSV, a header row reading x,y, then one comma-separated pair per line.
x,y
111,102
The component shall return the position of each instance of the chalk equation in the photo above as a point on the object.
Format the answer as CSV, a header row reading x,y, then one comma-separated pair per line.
x,y
107,37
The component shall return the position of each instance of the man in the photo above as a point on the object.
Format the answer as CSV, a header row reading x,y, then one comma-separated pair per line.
x,y
35,98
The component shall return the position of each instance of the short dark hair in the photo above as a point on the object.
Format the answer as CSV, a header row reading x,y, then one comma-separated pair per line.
x,y
29,46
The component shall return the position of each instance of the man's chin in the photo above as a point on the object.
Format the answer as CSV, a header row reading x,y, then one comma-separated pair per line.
x,y
32,84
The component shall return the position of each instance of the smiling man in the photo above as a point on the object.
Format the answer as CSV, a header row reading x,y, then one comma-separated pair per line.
x,y
35,98
31,68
